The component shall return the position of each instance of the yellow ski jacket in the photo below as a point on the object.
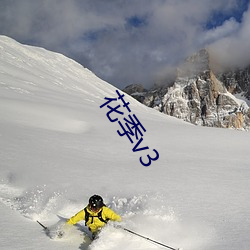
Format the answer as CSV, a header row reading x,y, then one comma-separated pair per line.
x,y
94,223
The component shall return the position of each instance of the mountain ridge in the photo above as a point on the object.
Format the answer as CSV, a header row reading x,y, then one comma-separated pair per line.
x,y
201,95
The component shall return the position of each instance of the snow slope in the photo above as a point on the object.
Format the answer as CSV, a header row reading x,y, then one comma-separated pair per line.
x,y
58,147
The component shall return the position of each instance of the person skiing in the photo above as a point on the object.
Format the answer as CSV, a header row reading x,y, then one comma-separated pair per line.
x,y
95,214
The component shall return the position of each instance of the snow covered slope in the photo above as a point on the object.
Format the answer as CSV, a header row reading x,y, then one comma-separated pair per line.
x,y
58,147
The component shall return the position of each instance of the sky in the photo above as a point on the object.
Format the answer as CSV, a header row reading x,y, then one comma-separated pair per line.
x,y
132,41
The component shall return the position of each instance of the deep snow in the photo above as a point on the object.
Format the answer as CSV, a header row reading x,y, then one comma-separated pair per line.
x,y
58,147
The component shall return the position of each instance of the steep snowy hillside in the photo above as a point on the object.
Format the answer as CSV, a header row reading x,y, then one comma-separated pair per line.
x,y
58,147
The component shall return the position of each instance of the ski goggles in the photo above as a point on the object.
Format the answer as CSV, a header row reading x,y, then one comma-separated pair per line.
x,y
94,208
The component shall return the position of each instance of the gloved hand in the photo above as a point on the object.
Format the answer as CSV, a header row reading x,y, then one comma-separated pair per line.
x,y
60,233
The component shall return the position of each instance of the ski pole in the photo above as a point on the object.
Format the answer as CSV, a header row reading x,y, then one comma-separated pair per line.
x,y
146,238
45,228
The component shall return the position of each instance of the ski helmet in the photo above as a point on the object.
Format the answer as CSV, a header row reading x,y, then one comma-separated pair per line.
x,y
96,202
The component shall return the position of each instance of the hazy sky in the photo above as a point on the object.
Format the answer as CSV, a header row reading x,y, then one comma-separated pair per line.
x,y
131,41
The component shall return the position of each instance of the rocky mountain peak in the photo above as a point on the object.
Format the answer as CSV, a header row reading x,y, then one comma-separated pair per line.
x,y
200,96
196,64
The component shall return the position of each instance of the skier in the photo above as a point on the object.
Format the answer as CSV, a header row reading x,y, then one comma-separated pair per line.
x,y
95,214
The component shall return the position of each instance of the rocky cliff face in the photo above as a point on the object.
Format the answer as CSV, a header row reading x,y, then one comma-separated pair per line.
x,y
200,96
237,81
